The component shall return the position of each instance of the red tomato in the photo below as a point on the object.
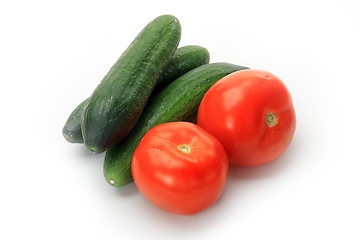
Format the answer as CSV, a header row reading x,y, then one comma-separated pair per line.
x,y
180,168
251,113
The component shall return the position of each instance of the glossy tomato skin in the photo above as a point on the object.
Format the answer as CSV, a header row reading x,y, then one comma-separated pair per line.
x,y
180,168
252,114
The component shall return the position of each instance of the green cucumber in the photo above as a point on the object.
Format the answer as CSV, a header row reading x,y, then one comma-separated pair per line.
x,y
116,104
72,128
184,59
176,102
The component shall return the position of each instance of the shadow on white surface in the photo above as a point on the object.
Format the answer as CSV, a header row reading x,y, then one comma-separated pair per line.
x,y
129,190
85,153
269,170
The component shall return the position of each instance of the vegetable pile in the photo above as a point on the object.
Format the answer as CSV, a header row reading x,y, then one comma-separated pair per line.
x,y
173,122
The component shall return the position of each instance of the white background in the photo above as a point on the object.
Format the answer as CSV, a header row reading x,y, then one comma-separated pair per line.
x,y
54,53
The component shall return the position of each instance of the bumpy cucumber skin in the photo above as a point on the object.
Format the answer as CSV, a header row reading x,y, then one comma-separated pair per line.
x,y
176,102
116,104
72,128
184,59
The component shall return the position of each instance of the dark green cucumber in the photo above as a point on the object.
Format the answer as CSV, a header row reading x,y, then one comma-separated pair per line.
x,y
184,59
72,128
116,104
176,102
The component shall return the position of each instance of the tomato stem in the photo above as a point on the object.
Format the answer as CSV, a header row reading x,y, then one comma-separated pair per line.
x,y
184,148
271,119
